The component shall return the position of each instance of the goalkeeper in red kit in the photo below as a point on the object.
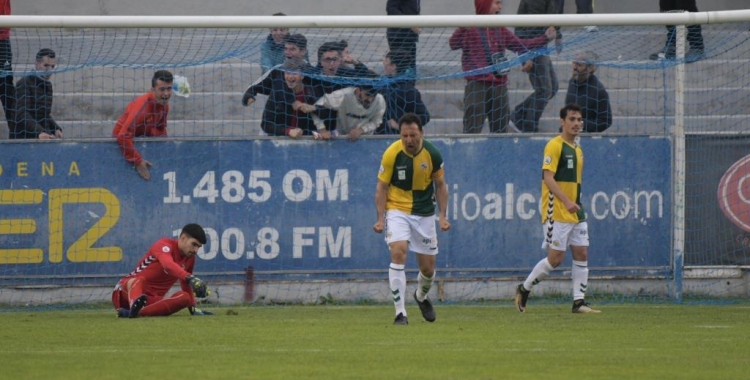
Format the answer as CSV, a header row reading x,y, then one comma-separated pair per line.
x,y
141,293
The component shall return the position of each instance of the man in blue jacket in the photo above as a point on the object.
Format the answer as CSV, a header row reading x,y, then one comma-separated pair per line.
x,y
401,97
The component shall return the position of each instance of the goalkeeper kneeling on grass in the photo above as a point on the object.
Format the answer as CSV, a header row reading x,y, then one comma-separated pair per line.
x,y
141,293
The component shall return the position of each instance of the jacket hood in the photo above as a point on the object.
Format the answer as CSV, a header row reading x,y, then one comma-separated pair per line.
x,y
482,7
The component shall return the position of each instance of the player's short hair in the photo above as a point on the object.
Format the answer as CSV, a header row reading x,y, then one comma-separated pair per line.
x,y
570,107
329,46
194,231
162,75
410,118
297,39
46,52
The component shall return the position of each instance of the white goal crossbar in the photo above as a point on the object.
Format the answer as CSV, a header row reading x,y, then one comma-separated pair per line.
x,y
686,18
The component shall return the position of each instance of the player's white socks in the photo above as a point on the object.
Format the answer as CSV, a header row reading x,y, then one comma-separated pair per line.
x,y
541,270
423,285
397,280
580,276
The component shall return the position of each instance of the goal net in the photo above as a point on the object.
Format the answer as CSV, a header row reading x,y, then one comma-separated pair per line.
x,y
290,220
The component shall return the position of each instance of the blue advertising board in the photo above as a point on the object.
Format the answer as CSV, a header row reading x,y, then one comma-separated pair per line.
x,y
77,208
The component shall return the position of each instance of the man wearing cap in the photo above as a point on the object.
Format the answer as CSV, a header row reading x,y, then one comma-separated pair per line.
x,y
141,293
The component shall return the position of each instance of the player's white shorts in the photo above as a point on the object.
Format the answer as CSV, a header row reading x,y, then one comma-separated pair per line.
x,y
419,231
559,236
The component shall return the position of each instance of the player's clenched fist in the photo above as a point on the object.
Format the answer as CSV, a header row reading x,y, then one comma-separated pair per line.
x,y
378,226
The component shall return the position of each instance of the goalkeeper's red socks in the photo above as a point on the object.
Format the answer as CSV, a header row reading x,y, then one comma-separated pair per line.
x,y
167,306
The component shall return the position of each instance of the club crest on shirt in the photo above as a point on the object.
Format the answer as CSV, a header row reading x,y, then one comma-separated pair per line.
x,y
165,249
424,166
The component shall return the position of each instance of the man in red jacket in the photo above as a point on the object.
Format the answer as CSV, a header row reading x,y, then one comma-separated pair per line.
x,y
146,116
141,293
486,94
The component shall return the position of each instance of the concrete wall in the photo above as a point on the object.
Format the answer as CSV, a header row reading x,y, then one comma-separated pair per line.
x,y
318,7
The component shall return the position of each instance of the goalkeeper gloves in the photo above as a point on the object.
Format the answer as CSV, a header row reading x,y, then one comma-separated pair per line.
x,y
198,312
199,286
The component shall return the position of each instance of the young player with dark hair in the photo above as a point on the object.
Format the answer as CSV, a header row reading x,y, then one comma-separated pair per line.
x,y
563,219
141,293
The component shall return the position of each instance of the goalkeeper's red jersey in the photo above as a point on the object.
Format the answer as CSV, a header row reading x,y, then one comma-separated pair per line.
x,y
162,266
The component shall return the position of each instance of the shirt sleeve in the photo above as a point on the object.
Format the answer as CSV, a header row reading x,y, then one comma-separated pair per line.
x,y
170,267
331,101
519,45
132,116
386,166
570,96
605,111
456,40
551,156
25,121
376,117
438,170
184,284
261,86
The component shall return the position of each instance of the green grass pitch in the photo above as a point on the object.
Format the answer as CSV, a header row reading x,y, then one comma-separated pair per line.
x,y
625,341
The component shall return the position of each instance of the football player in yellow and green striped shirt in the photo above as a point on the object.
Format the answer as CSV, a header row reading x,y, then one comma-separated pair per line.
x,y
410,178
562,214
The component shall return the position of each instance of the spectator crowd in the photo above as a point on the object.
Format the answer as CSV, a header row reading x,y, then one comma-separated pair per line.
x,y
339,96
